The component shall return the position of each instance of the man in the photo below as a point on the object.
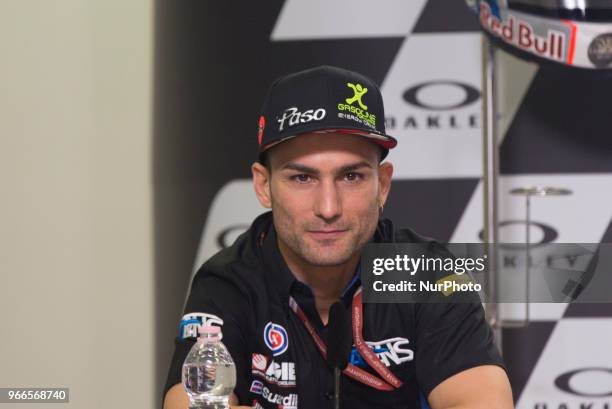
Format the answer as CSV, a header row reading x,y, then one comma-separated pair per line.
x,y
322,140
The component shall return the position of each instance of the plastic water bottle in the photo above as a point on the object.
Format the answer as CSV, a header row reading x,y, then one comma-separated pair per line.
x,y
209,373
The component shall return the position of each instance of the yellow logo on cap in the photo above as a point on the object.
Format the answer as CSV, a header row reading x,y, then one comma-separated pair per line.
x,y
359,92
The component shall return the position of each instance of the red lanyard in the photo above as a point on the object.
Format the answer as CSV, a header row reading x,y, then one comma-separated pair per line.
x,y
388,381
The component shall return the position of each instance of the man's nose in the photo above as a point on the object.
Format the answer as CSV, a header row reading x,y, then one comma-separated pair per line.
x,y
328,203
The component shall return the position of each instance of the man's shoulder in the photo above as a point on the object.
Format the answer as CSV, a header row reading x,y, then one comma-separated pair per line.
x,y
238,264
392,234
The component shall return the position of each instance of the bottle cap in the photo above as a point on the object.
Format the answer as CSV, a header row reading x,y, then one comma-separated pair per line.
x,y
209,333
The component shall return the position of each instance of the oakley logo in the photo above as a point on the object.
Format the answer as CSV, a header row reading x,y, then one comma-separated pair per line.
x,y
438,89
548,233
587,382
358,92
227,236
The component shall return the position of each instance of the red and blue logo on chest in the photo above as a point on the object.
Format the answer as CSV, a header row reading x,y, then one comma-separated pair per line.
x,y
276,338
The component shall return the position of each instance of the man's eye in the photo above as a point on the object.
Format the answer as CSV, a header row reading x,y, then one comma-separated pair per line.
x,y
302,178
353,176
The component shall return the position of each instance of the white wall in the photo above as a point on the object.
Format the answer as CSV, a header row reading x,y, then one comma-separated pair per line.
x,y
76,264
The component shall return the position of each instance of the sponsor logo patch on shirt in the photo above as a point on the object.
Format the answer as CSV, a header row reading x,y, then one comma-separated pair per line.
x,y
256,387
188,328
275,337
277,373
259,362
283,401
390,351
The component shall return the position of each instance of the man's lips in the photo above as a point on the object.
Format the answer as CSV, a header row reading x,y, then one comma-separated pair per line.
x,y
326,234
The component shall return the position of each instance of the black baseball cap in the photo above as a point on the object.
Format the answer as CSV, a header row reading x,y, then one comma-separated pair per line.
x,y
323,99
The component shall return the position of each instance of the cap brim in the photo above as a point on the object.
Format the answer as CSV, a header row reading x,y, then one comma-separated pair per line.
x,y
386,141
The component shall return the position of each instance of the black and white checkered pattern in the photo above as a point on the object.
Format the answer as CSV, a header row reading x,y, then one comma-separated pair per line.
x,y
555,129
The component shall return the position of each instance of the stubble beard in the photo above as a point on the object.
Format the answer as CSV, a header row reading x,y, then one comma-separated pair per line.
x,y
324,253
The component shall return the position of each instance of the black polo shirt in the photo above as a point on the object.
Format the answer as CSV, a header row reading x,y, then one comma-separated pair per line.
x,y
245,289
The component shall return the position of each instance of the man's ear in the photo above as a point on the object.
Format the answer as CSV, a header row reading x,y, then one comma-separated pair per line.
x,y
385,173
261,184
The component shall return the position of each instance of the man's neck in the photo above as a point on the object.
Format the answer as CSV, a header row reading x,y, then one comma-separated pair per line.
x,y
326,282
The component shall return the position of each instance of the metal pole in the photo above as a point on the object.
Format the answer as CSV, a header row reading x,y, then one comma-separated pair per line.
x,y
528,256
490,159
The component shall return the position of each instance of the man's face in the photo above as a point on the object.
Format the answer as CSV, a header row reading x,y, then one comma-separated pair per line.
x,y
325,191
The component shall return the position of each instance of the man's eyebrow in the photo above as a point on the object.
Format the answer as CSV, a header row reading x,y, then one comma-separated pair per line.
x,y
353,167
300,168
312,171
